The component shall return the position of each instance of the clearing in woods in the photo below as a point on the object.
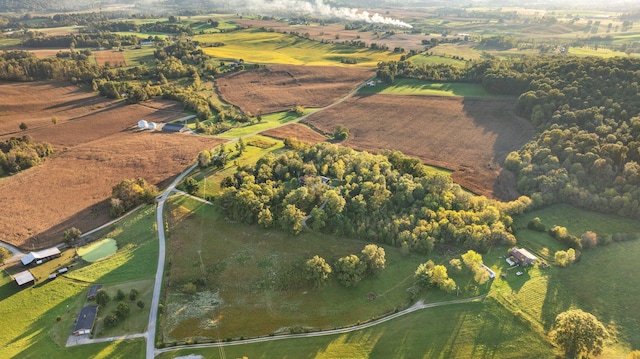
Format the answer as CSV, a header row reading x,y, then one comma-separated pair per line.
x,y
110,58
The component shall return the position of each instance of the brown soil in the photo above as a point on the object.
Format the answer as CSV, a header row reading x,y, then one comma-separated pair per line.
x,y
110,58
298,131
96,147
470,136
282,87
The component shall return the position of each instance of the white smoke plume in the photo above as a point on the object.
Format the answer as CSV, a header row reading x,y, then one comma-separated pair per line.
x,y
319,8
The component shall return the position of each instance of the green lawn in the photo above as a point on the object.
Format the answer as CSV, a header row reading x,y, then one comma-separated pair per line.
x,y
403,86
257,46
268,121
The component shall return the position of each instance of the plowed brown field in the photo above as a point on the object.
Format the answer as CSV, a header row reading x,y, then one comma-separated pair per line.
x,y
300,132
281,87
96,146
470,136
110,58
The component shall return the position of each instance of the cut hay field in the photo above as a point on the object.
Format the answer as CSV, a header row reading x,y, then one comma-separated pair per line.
x,y
254,45
282,87
110,58
484,130
86,163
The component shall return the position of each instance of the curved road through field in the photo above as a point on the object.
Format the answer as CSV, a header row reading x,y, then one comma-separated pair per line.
x,y
417,306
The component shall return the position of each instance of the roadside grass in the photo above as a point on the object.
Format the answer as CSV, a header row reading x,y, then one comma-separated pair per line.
x,y
268,121
36,331
402,86
257,46
246,273
468,330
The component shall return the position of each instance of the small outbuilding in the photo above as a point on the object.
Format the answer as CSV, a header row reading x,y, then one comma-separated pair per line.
x,y
40,256
86,319
24,279
174,127
492,274
522,257
93,291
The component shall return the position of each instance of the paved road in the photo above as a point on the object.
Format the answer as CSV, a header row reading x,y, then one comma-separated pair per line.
x,y
84,339
157,286
417,306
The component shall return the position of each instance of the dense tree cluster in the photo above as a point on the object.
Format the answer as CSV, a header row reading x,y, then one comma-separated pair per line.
x,y
21,153
130,193
387,198
349,270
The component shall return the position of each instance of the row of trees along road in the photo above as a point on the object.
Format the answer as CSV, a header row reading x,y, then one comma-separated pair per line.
x,y
387,198
587,112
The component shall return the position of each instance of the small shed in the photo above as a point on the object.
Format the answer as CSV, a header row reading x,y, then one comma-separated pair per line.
x,y
93,291
492,274
86,319
24,279
523,257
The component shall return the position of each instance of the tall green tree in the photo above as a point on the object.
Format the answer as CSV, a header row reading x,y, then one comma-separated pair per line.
x,y
374,258
317,270
350,270
579,333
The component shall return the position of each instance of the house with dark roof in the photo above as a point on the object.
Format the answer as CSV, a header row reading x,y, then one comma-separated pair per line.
x,y
86,319
24,279
40,256
522,257
93,291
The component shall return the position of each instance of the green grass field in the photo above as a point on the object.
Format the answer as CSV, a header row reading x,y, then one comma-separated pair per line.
x,y
403,86
474,330
601,52
271,47
35,331
98,250
243,273
435,60
268,121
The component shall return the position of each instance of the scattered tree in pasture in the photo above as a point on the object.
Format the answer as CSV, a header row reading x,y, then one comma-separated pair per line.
x,y
204,158
111,320
579,333
54,120
122,310
102,297
564,258
349,270
589,239
133,294
374,258
429,274
23,126
536,225
120,295
140,304
71,235
191,185
341,133
317,270
472,260
240,146
423,273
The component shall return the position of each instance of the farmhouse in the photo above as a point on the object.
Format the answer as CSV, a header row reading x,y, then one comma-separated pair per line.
x,y
93,291
84,323
522,257
24,279
40,256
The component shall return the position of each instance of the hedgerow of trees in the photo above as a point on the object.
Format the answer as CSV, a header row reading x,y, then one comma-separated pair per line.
x,y
130,193
21,153
387,198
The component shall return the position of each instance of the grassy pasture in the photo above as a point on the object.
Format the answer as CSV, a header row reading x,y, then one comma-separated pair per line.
x,y
433,60
419,87
272,47
268,121
457,331
35,331
244,274
601,52
138,318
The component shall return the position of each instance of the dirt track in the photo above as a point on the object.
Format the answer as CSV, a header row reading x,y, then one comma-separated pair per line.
x,y
470,136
